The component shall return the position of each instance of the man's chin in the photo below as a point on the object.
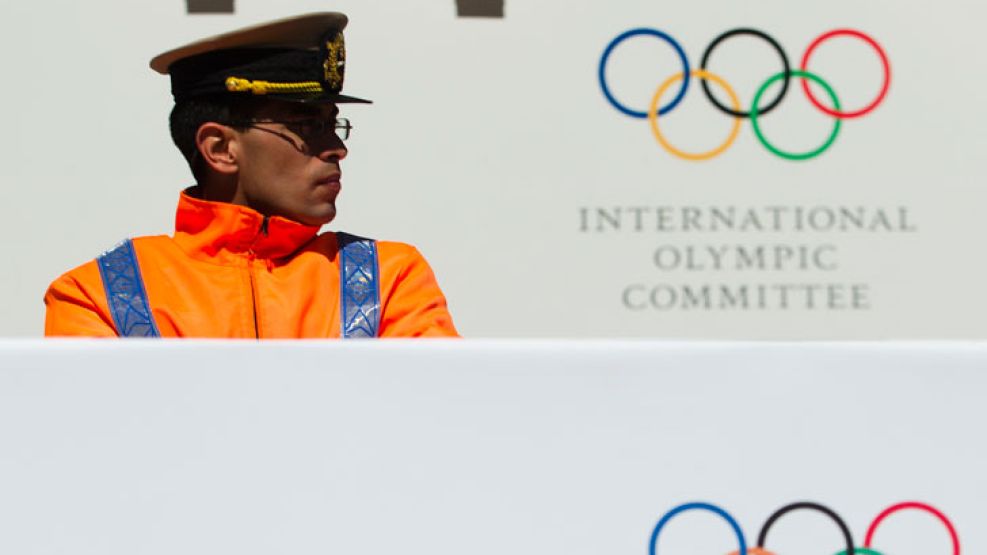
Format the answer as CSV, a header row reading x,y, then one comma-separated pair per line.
x,y
319,218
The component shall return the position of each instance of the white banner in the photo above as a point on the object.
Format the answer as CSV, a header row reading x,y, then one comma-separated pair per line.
x,y
510,141
490,448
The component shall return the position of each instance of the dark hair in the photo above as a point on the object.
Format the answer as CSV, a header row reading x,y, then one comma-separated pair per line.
x,y
188,115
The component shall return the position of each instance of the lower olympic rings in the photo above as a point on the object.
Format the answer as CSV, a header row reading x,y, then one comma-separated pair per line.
x,y
653,116
754,115
653,112
759,549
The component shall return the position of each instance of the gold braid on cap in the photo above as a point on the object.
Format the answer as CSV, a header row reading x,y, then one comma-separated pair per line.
x,y
238,84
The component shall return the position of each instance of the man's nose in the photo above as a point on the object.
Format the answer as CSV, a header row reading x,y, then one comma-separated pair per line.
x,y
332,150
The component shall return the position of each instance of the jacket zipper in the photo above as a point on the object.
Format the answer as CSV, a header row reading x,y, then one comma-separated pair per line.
x,y
251,257
253,291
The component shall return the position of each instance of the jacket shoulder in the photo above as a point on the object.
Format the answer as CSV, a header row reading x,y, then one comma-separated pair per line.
x,y
412,303
76,302
386,250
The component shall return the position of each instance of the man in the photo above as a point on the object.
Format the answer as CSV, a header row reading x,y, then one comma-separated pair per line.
x,y
256,117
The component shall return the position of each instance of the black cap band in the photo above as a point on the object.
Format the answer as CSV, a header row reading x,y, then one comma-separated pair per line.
x,y
208,73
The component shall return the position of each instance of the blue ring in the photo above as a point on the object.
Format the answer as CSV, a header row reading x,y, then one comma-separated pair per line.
x,y
655,33
692,506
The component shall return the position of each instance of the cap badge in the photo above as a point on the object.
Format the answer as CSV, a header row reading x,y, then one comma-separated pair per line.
x,y
334,65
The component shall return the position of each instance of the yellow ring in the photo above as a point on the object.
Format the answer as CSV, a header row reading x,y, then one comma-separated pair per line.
x,y
653,116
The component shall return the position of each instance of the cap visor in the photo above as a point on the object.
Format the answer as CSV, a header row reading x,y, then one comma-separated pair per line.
x,y
345,99
318,99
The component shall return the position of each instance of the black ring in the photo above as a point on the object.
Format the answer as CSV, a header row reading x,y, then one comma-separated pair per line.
x,y
763,536
774,44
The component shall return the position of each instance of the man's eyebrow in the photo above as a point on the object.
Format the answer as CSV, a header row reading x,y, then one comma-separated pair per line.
x,y
310,111
305,111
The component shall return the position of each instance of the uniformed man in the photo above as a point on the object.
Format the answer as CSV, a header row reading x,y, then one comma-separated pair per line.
x,y
256,116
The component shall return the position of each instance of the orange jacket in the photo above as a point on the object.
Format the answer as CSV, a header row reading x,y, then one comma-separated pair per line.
x,y
230,272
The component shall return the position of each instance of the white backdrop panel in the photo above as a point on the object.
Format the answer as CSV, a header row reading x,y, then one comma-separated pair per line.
x,y
483,447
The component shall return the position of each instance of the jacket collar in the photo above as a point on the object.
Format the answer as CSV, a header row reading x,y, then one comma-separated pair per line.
x,y
211,230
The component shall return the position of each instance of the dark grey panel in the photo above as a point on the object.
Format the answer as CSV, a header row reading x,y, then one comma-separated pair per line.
x,y
480,8
210,6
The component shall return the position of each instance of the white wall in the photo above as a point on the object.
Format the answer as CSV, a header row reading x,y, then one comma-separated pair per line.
x,y
489,136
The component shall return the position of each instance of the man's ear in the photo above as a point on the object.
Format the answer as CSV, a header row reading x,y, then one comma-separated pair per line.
x,y
219,146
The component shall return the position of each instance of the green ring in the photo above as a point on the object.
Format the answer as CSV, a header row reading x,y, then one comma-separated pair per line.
x,y
861,551
782,153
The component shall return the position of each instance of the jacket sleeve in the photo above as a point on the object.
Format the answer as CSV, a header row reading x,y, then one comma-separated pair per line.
x,y
412,305
76,305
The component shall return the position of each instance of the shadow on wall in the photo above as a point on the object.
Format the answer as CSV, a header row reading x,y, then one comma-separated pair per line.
x,y
210,6
480,8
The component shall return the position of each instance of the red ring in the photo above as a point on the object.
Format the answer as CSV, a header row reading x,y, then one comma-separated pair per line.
x,y
884,62
914,505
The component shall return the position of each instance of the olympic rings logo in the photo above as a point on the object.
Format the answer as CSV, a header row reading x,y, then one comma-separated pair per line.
x,y
653,113
762,537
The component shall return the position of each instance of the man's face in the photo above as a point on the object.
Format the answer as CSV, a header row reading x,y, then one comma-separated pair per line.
x,y
288,166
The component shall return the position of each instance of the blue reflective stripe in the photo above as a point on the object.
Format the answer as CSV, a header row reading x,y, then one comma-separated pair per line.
x,y
125,292
359,278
